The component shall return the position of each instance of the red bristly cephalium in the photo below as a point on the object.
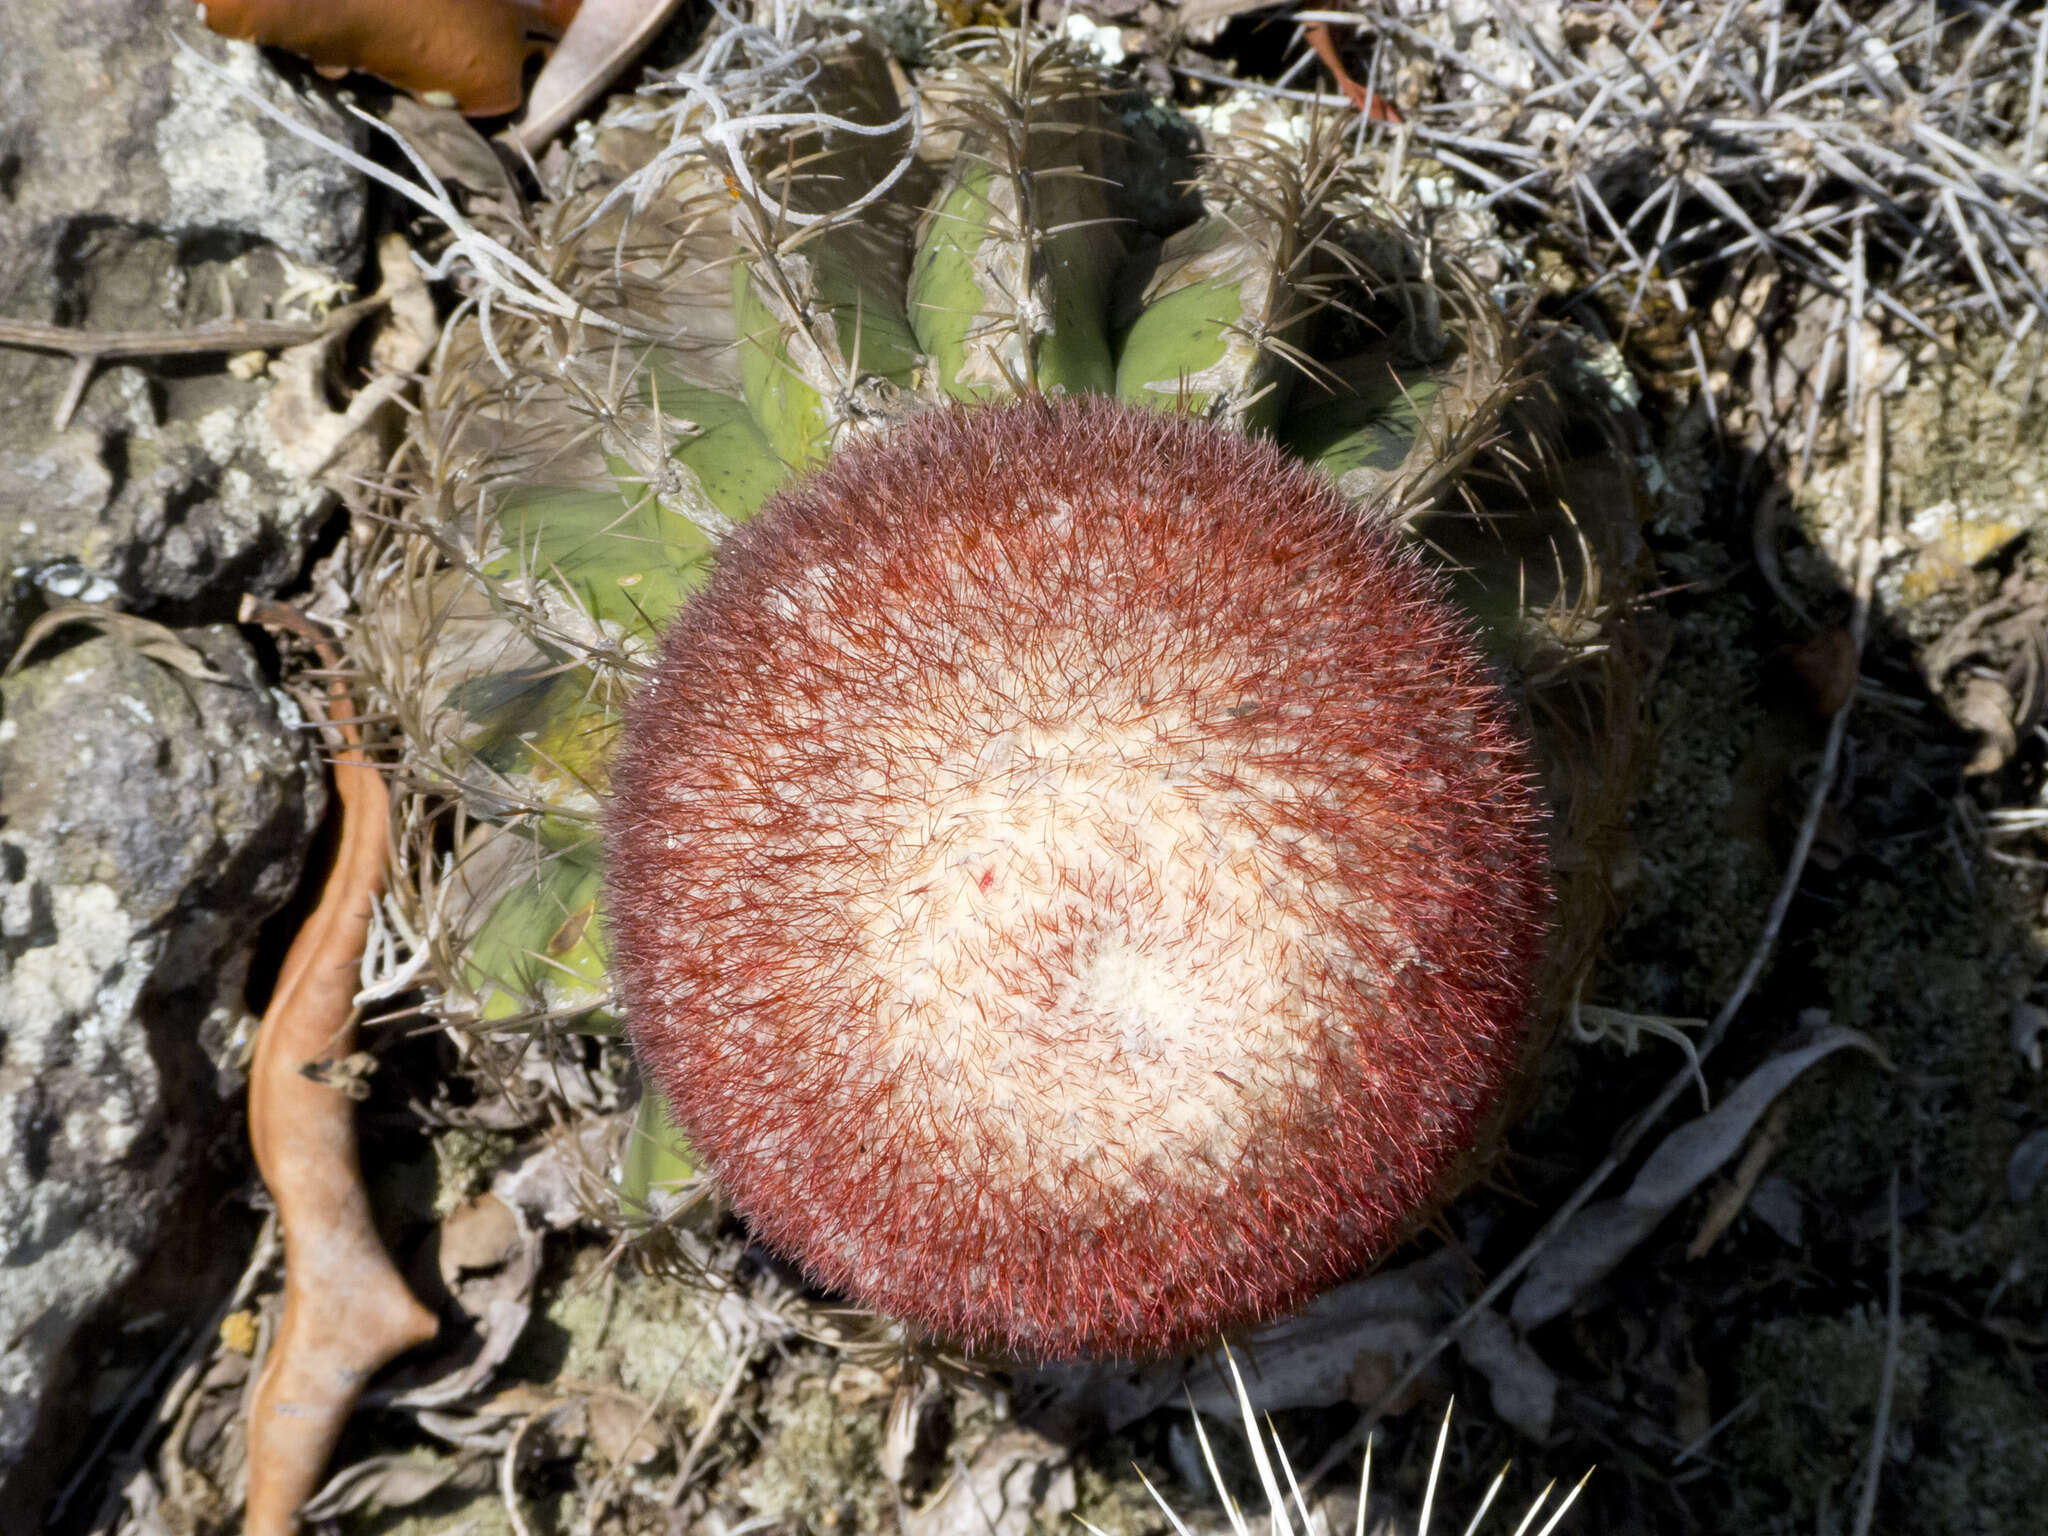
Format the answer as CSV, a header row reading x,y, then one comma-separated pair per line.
x,y
1075,881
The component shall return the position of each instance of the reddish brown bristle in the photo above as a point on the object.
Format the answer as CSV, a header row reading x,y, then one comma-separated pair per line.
x,y
1078,886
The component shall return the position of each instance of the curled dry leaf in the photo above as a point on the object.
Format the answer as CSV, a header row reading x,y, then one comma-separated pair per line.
x,y
143,636
346,1311
622,1430
478,1234
489,1258
1523,1389
602,39
912,1407
1605,1232
2023,1171
474,51
1827,666
383,1484
1351,1344
2029,1030
1016,1482
562,1180
1344,1347
459,154
1732,1198
1988,708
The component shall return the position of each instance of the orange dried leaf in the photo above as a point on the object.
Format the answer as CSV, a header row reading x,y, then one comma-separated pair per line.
x,y
346,1310
472,50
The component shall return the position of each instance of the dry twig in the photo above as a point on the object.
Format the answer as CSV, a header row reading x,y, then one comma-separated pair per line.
x,y
216,336
1888,1373
88,349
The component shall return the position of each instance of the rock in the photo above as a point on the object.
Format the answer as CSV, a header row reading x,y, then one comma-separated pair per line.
x,y
175,509
140,194
149,822
112,120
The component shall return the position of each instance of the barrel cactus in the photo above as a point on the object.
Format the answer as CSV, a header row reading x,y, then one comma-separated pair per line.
x,y
791,261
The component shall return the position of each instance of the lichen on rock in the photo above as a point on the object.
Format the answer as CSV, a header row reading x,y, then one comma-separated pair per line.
x,y
152,821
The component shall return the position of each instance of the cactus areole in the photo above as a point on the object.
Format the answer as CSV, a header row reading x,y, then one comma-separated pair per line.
x,y
1077,883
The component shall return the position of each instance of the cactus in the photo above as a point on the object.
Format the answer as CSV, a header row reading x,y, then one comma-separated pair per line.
x,y
788,246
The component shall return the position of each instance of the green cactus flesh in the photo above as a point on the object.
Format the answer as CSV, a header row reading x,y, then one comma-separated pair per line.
x,y
657,1160
540,949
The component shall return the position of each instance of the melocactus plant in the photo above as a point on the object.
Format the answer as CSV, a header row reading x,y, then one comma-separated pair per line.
x,y
1073,870
1080,889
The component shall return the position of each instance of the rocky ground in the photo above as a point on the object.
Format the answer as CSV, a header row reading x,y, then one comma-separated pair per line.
x,y
1835,1280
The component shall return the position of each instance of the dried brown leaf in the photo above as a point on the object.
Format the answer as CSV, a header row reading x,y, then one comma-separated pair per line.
x,y
622,1432
1987,708
478,1234
473,51
346,1310
1827,666
603,39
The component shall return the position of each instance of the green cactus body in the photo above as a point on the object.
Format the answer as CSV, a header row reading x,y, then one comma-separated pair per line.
x,y
620,555
1368,418
657,1161
730,457
994,310
819,343
574,476
1230,306
542,937
788,406
1009,289
946,299
536,722
825,342
1185,347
